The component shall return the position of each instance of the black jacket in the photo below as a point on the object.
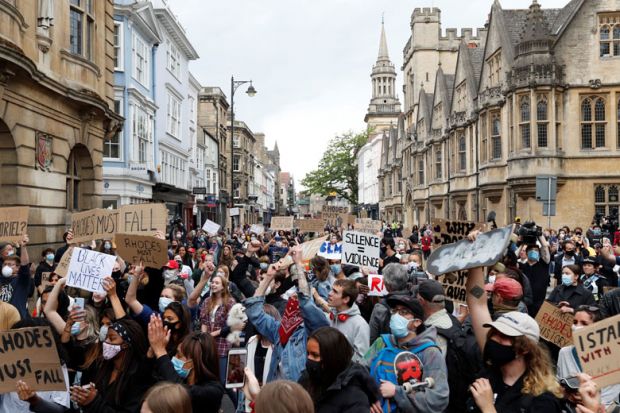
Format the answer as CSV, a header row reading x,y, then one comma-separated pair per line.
x,y
353,391
557,270
574,295
206,397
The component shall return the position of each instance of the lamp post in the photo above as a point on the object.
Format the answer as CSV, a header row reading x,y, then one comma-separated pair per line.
x,y
234,85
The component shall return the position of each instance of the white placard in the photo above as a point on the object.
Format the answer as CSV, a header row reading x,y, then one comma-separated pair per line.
x,y
87,269
234,212
330,251
257,229
211,227
376,288
361,249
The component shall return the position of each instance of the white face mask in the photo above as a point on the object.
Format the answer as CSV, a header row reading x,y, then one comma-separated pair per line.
x,y
7,271
110,350
575,327
170,275
492,279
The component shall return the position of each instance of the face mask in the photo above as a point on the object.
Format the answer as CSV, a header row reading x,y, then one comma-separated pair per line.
x,y
567,280
398,325
178,367
412,265
103,333
163,303
596,231
497,355
116,275
569,253
110,350
7,271
492,279
278,244
401,246
575,327
107,246
533,255
75,329
264,266
11,253
178,235
335,268
49,257
314,370
170,275
170,325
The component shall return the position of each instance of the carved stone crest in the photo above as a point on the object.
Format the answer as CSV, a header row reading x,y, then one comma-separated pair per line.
x,y
43,152
596,83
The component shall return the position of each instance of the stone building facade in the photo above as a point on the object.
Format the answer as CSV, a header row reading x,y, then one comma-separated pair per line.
x,y
56,109
538,96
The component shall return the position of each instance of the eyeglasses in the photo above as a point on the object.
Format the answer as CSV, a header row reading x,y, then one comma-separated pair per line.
x,y
402,312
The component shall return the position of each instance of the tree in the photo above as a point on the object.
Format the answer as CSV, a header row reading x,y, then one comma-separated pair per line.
x,y
337,171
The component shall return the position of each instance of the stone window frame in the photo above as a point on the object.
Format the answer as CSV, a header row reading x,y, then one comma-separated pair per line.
x,y
117,139
462,149
593,122
496,136
525,116
609,35
542,121
421,170
618,123
438,162
119,46
606,198
483,137
81,38
141,60
494,64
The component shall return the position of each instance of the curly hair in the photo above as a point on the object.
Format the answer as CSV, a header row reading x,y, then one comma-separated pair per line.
x,y
539,377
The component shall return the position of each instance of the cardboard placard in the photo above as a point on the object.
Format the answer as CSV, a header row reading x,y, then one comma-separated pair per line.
x,y
598,348
30,355
45,279
346,219
368,225
454,286
211,227
310,225
330,214
555,326
257,229
143,219
282,223
311,248
488,248
94,224
361,249
63,265
450,231
376,288
13,223
87,269
150,251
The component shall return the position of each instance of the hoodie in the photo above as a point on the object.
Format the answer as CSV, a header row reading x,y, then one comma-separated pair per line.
x,y
354,328
352,391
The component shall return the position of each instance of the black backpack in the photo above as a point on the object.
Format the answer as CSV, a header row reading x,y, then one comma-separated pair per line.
x,y
463,362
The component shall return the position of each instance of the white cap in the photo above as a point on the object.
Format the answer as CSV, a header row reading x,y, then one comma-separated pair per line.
x,y
515,324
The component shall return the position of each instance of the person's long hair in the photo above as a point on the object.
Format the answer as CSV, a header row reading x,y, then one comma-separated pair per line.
x,y
224,295
168,398
226,260
539,375
202,350
283,396
133,356
177,335
320,267
336,354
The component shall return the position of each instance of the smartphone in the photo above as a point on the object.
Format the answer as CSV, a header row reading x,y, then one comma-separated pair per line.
x,y
235,375
79,303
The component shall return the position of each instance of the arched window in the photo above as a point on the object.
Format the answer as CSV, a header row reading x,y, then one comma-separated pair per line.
x,y
600,125
593,127
599,194
541,121
496,138
616,40
462,153
524,124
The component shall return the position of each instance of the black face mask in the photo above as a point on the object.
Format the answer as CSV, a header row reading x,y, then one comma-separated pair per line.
x,y
116,275
170,325
570,253
314,370
497,355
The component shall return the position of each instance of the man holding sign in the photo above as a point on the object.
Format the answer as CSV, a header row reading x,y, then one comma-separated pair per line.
x,y
15,279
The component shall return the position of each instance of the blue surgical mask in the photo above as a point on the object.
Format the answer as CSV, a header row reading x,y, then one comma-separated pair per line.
x,y
567,280
335,268
264,266
163,303
398,325
533,255
178,364
49,257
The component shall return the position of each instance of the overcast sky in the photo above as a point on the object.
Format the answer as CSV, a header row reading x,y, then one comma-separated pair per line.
x,y
310,60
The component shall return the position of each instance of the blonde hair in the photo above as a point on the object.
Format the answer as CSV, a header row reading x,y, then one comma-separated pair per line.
x,y
224,295
8,316
178,292
283,396
168,398
539,377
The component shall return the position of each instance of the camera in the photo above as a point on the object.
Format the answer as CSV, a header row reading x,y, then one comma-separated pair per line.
x,y
603,226
529,233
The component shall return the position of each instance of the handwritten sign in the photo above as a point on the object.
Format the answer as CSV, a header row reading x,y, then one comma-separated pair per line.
x,y
454,286
257,229
150,251
87,269
330,214
211,227
598,348
311,248
330,251
346,219
30,354
376,288
63,265
361,249
555,326
143,219
310,225
13,223
368,225
282,223
234,212
488,248
448,232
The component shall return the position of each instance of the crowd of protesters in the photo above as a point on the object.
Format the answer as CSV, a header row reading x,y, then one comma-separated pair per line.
x,y
159,339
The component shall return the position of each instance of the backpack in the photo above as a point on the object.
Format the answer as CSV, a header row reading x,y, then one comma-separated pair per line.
x,y
382,367
463,362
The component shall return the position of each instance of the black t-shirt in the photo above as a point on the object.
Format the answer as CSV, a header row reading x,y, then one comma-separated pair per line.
x,y
14,290
259,361
538,274
388,260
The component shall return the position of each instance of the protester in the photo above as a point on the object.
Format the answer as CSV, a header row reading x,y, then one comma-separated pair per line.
x,y
570,294
388,253
167,398
395,281
322,276
283,396
505,295
591,279
15,280
536,269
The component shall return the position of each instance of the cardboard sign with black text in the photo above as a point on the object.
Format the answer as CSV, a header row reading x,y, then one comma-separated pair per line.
x,y
450,231
87,269
454,286
598,348
150,251
330,214
30,354
311,248
143,219
13,223
310,225
282,223
555,326
63,265
368,225
361,249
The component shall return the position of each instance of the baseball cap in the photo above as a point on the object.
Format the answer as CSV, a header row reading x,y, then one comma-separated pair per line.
x,y
431,291
407,301
507,288
589,260
172,264
516,324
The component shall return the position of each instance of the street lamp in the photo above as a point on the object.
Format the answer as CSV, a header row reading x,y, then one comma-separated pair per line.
x,y
234,85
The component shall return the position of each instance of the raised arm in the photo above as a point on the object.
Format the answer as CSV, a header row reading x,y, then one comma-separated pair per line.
x,y
24,258
131,298
51,306
193,298
110,286
477,304
545,254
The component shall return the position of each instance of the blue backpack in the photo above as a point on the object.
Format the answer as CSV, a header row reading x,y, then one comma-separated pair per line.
x,y
382,367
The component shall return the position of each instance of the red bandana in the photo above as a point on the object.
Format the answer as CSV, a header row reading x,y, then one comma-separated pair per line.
x,y
290,321
341,317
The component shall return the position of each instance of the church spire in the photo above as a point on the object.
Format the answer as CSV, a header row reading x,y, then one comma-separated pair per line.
x,y
383,49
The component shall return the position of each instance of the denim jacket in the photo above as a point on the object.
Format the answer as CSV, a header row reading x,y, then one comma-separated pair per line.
x,y
291,358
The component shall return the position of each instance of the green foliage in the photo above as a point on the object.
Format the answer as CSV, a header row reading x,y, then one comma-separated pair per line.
x,y
337,170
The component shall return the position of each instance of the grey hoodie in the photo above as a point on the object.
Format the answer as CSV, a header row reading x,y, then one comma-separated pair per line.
x,y
355,329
